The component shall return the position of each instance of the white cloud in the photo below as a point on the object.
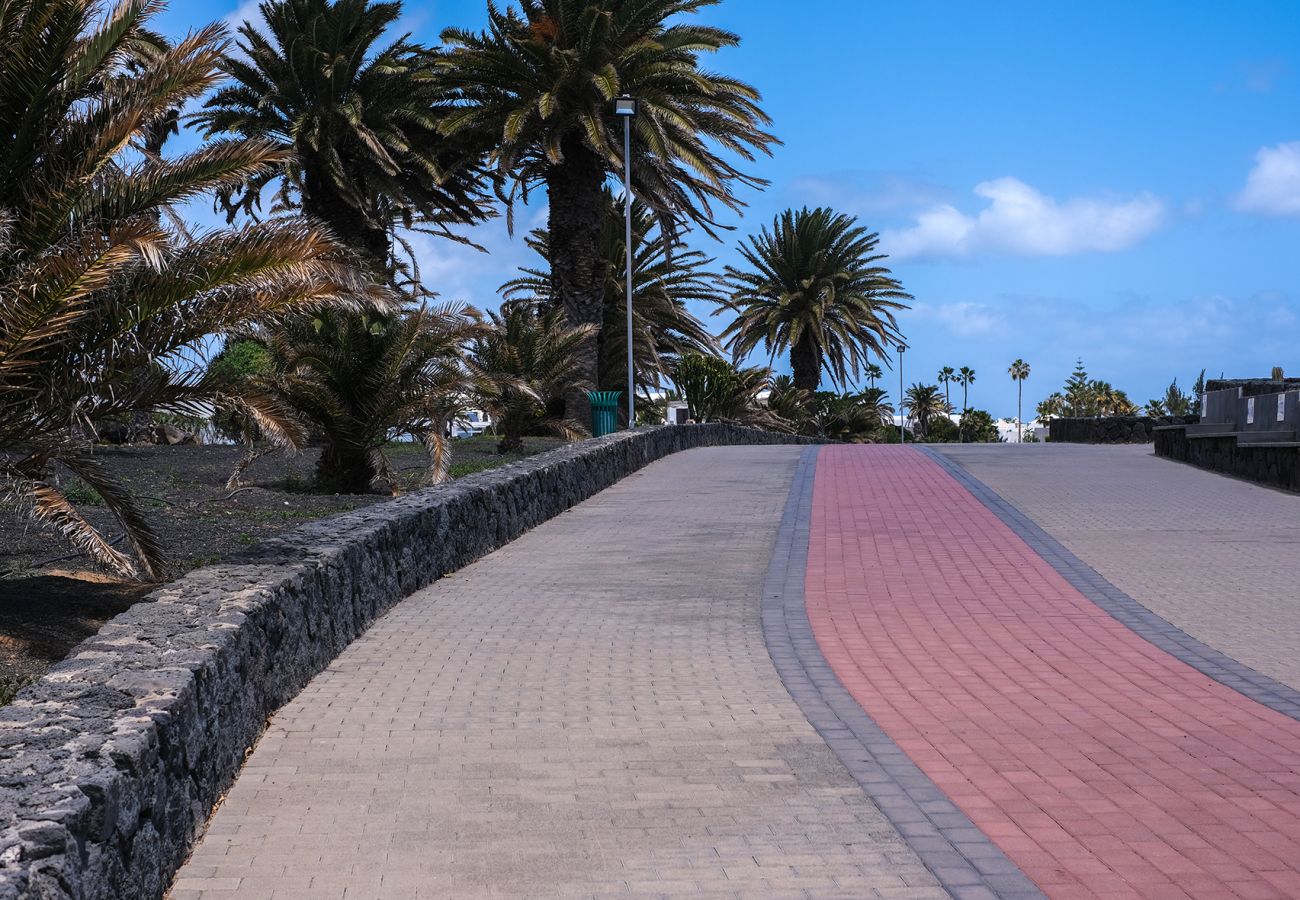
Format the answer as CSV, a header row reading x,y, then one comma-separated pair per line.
x,y
963,319
1273,186
246,11
1021,221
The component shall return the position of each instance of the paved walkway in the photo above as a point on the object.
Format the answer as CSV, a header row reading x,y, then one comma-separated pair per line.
x,y
1101,765
1218,557
590,710
710,680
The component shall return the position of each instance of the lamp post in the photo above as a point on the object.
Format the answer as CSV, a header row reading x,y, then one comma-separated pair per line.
x,y
902,435
627,107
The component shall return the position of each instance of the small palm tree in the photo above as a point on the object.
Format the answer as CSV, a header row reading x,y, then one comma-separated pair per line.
x,y
357,123
814,287
537,87
104,305
789,402
923,403
533,357
357,380
873,373
875,402
665,279
965,377
1019,371
1053,406
947,375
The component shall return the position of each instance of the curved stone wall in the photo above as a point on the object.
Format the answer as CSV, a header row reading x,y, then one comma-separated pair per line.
x,y
111,763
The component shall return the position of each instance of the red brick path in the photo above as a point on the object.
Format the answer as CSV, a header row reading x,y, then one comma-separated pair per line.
x,y
1100,764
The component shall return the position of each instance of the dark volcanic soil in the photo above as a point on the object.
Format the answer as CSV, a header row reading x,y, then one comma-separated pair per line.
x,y
51,597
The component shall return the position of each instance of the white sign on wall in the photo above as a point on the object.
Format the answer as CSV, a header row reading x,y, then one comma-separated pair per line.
x,y
1281,407
1250,410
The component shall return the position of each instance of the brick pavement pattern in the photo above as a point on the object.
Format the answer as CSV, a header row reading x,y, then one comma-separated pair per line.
x,y
1217,557
1101,765
590,710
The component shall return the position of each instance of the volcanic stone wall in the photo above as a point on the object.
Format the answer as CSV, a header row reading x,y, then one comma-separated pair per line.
x,y
1112,429
111,764
1274,466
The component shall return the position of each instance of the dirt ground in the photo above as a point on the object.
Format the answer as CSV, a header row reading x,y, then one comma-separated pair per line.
x,y
51,597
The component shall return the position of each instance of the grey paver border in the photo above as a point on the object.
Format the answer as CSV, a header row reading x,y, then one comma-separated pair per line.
x,y
1129,612
964,860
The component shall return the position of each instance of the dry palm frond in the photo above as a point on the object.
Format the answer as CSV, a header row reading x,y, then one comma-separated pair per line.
x,y
103,309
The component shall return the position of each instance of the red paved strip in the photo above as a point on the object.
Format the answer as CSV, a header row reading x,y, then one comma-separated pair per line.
x,y
1101,765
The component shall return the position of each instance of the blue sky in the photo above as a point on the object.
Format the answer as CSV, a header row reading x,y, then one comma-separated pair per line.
x,y
1113,181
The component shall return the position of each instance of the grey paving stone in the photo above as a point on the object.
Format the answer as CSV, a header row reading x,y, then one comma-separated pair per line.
x,y
589,711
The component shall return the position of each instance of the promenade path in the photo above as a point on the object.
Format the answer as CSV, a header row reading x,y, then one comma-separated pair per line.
x,y
590,710
835,672
1218,557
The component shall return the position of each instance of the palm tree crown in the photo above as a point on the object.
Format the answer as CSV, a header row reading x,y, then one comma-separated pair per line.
x,y
361,122
965,377
924,403
104,306
814,286
537,86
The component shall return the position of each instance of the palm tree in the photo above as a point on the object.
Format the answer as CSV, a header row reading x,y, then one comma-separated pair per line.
x,y
665,278
873,372
533,357
789,402
357,123
923,403
814,287
1019,371
356,380
875,402
103,307
1053,406
538,85
965,377
947,375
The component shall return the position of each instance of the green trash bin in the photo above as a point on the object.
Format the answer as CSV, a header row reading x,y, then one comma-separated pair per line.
x,y
604,412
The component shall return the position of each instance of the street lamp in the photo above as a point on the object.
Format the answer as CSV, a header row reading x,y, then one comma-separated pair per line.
x,y
902,435
627,107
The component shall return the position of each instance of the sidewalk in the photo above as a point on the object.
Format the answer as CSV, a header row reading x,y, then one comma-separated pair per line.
x,y
590,710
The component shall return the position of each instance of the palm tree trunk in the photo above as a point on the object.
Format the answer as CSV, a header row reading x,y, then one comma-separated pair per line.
x,y
577,212
345,470
806,362
1020,402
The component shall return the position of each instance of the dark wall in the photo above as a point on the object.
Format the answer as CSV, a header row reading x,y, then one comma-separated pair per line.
x,y
1111,429
1273,466
111,763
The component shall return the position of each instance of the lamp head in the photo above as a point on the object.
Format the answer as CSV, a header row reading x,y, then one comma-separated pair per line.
x,y
626,106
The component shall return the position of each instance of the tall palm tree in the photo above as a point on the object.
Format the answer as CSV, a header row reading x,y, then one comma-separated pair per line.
x,y
873,372
814,286
539,84
947,375
965,377
665,278
358,379
923,403
104,303
1019,371
357,121
533,356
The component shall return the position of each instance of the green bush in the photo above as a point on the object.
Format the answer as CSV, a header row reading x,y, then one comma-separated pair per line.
x,y
978,427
